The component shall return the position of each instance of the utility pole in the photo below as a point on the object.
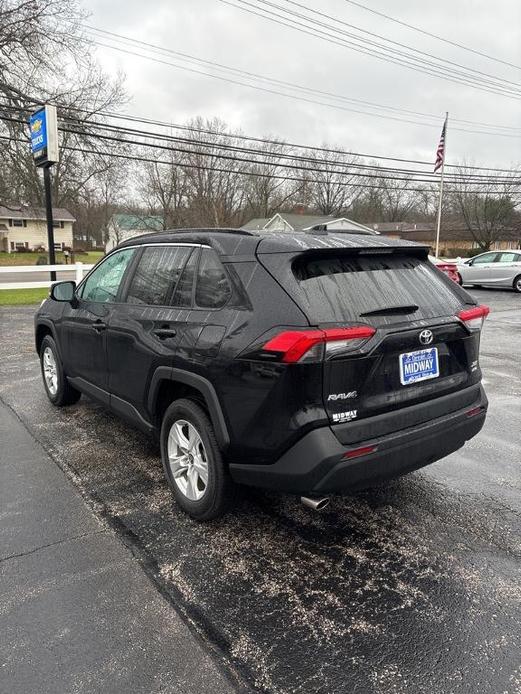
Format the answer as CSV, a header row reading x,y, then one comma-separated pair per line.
x,y
44,147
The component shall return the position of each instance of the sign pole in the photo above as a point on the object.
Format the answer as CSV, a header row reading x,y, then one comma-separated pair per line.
x,y
43,125
50,221
440,201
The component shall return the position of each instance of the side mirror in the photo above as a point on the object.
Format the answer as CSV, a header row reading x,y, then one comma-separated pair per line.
x,y
63,291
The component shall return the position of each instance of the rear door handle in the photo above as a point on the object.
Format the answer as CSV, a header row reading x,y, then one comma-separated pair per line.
x,y
98,326
165,333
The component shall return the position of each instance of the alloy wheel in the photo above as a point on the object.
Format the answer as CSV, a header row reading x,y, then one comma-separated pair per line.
x,y
187,459
50,371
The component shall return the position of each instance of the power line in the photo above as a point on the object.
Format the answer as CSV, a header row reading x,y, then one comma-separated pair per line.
x,y
388,56
292,167
257,162
275,156
391,54
383,38
293,96
279,93
227,157
269,158
192,128
250,138
504,130
434,36
255,174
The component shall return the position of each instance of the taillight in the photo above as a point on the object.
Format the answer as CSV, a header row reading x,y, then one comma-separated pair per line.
x,y
474,317
307,345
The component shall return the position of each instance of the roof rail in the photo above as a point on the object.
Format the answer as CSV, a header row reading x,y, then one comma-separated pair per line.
x,y
238,232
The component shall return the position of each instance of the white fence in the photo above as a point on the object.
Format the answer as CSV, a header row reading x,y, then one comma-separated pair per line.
x,y
76,269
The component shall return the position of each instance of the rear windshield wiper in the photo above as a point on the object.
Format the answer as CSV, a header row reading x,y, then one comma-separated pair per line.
x,y
407,308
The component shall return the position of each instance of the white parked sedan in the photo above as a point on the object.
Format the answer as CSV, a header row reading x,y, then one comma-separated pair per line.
x,y
493,269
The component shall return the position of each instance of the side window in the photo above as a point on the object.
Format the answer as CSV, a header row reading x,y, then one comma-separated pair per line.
x,y
509,258
485,258
103,283
213,287
156,275
183,292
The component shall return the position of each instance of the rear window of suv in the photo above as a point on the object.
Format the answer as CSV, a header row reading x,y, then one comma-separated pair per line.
x,y
343,287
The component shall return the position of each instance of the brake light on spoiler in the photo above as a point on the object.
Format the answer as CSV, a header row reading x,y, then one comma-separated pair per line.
x,y
303,345
474,317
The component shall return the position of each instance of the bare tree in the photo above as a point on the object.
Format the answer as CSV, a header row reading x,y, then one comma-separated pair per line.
x,y
215,190
44,57
386,199
335,183
99,200
489,215
397,199
266,186
37,40
163,187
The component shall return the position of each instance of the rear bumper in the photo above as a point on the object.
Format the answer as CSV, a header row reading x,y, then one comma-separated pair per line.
x,y
315,464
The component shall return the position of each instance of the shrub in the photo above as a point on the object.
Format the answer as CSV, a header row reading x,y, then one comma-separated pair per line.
x,y
462,252
41,260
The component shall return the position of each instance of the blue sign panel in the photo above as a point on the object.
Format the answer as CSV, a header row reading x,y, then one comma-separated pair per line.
x,y
38,127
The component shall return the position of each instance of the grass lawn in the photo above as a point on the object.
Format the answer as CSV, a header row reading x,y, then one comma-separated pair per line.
x,y
30,258
19,297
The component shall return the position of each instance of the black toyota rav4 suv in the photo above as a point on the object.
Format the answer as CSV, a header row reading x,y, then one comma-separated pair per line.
x,y
310,363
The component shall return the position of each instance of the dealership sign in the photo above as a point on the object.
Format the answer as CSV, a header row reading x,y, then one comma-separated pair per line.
x,y
43,125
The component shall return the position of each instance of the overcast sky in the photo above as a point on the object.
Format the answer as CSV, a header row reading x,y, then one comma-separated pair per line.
x,y
213,31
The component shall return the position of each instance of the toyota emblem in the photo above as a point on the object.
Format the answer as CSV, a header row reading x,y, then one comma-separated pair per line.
x,y
426,337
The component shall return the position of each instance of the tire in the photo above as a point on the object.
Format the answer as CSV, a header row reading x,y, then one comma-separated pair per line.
x,y
58,389
516,284
189,448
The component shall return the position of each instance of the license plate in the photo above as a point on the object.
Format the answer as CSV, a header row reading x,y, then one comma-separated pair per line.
x,y
419,366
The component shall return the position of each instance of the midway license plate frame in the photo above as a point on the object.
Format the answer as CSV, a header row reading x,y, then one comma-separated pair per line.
x,y
423,372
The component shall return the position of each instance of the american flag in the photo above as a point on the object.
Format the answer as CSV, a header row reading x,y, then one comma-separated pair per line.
x,y
440,152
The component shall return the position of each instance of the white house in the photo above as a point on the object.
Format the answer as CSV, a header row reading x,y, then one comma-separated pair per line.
x,y
26,227
124,226
291,221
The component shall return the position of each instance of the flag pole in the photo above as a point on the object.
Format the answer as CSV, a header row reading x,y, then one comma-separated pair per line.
x,y
440,201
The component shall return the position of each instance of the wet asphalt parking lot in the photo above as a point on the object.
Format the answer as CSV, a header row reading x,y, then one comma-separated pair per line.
x,y
413,587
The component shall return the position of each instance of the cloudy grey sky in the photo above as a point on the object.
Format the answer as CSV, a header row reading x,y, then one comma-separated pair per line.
x,y
214,31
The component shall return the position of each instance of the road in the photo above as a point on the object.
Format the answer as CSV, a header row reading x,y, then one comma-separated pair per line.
x,y
410,588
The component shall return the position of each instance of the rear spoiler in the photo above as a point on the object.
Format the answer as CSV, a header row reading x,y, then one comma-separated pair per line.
x,y
420,252
298,243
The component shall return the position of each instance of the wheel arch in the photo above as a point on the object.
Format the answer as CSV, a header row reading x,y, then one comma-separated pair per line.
x,y
169,384
42,330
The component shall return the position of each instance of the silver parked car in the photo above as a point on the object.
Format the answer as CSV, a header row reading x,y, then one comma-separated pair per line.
x,y
493,269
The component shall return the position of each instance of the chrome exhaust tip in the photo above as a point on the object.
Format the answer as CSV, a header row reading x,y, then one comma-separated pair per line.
x,y
315,504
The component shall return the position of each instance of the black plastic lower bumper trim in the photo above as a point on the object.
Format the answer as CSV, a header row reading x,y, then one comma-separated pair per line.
x,y
315,464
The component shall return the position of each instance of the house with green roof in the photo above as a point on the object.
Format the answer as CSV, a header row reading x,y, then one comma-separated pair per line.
x,y
122,227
